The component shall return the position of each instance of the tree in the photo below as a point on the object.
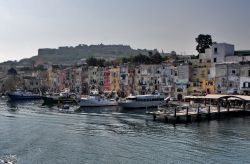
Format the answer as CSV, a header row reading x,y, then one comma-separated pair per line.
x,y
156,58
141,59
204,42
92,61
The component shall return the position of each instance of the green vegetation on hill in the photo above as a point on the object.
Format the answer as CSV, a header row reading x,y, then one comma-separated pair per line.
x,y
71,55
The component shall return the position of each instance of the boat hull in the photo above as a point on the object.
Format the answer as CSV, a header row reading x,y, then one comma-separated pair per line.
x,y
90,103
23,97
57,100
141,104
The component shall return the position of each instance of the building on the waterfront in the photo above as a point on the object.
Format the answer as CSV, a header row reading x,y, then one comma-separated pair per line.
x,y
227,76
147,78
124,79
220,51
244,85
182,82
106,79
115,79
168,79
31,83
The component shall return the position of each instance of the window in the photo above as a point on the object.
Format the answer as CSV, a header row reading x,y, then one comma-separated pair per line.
x,y
248,72
215,50
200,60
230,85
215,60
244,85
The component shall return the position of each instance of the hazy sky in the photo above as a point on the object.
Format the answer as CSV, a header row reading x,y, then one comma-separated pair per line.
x,y
26,25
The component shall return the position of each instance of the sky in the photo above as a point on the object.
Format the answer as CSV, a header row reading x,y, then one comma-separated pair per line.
x,y
27,25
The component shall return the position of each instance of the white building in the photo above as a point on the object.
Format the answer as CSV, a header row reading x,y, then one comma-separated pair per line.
x,y
245,78
219,51
181,84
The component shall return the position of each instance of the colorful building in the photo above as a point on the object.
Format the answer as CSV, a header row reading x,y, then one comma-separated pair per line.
x,y
106,79
115,79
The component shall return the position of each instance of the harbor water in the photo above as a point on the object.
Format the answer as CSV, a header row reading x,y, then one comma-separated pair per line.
x,y
37,134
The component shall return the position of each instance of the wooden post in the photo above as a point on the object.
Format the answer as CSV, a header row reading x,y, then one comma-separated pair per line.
x,y
174,112
244,105
198,113
228,106
166,119
218,106
154,117
187,117
208,112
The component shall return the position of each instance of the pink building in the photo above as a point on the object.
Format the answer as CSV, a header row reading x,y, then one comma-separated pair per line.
x,y
61,79
106,79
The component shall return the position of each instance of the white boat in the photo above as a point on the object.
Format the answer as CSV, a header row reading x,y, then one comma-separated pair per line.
x,y
143,101
97,101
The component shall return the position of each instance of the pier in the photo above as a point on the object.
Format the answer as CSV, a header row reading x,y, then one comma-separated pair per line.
x,y
204,108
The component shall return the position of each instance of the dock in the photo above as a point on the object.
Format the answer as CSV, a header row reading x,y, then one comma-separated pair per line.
x,y
218,108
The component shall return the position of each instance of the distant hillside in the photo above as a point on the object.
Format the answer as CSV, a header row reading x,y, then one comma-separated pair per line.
x,y
70,55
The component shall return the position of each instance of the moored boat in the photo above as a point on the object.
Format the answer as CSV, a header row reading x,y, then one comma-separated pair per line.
x,y
23,95
97,101
143,101
63,97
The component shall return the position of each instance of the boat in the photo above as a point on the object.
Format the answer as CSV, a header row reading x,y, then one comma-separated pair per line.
x,y
143,101
62,97
23,95
94,99
97,101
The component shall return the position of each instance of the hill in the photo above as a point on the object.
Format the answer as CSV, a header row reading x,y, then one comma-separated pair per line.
x,y
70,55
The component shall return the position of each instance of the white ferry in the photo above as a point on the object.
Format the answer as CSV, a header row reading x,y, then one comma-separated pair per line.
x,y
143,101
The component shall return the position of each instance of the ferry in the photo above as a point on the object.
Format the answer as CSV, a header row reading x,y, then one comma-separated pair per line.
x,y
23,95
143,101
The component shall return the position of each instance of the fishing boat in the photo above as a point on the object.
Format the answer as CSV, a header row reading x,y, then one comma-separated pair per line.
x,y
23,95
143,101
62,97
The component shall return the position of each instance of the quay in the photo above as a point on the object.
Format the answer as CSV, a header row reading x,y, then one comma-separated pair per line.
x,y
201,108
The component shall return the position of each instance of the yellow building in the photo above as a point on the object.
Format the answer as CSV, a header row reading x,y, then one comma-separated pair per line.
x,y
114,79
208,86
199,83
195,88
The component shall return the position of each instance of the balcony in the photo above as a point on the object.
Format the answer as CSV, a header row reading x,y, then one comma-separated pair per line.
x,y
245,88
